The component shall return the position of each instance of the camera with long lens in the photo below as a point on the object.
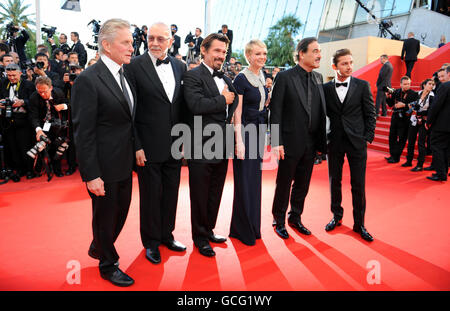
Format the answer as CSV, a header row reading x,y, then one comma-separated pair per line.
x,y
40,145
62,143
50,31
189,38
389,90
95,29
73,72
11,29
7,110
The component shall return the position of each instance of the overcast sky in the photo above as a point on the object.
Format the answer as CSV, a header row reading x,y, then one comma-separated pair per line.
x,y
186,14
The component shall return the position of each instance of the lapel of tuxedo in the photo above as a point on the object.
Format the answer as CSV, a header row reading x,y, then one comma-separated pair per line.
x,y
110,82
319,84
232,107
351,90
133,91
178,77
209,80
300,90
150,71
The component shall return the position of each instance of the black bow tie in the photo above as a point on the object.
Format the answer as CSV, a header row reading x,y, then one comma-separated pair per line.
x,y
165,61
345,84
219,74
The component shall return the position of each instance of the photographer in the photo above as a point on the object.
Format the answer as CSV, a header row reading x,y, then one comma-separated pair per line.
x,y
173,51
16,127
139,37
5,60
417,125
41,70
401,100
79,48
229,34
63,46
194,42
17,43
48,114
57,64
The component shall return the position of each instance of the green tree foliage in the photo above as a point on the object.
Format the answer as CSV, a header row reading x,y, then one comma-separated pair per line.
x,y
280,41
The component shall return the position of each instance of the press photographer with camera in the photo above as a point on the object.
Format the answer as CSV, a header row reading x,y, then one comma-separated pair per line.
x,y
173,51
194,42
14,122
48,114
63,46
17,42
40,69
79,48
418,119
400,100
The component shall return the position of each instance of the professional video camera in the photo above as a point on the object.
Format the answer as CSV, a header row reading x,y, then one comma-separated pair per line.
x,y
95,26
11,29
50,31
7,110
73,72
190,38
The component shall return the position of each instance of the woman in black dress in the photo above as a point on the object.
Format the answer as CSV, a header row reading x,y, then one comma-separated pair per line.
x,y
250,114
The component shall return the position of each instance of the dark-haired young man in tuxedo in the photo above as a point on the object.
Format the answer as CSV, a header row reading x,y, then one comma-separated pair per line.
x,y
211,97
103,109
298,108
410,50
351,110
159,107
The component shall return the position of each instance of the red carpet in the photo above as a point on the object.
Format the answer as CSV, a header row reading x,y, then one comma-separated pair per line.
x,y
45,228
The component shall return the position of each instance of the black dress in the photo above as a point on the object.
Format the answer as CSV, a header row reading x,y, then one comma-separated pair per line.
x,y
246,218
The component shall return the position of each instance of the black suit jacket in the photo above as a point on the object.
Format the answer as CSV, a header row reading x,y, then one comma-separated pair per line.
x,y
288,108
229,35
355,117
103,125
37,107
204,100
82,54
439,112
385,76
410,50
155,113
176,45
26,88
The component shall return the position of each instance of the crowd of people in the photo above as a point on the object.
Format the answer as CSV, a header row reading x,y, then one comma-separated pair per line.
x,y
412,114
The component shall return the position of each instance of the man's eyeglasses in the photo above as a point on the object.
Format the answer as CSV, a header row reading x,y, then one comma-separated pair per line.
x,y
160,40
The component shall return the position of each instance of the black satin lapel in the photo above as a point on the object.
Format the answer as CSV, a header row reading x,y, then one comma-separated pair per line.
x,y
301,92
150,71
177,74
351,90
208,78
319,84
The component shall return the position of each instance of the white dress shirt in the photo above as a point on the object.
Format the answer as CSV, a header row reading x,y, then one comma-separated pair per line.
x,y
342,90
114,68
166,76
220,82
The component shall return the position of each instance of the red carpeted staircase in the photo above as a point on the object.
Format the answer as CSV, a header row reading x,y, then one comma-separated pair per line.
x,y
423,69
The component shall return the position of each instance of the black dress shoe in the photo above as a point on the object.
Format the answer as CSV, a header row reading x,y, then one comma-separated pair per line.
x,y
435,177
388,158
206,250
30,175
297,225
70,171
393,161
364,234
429,168
58,174
215,238
333,224
407,164
118,278
281,231
417,169
153,255
15,178
175,246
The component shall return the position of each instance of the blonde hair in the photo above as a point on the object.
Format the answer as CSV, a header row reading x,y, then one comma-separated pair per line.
x,y
108,31
249,46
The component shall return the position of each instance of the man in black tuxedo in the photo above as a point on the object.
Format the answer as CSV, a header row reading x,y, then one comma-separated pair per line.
x,y
410,50
44,72
400,100
160,103
79,48
298,108
229,34
103,109
211,100
173,50
351,110
384,80
439,122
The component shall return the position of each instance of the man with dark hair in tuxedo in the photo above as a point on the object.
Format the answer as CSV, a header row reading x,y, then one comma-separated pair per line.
x,y
79,48
352,116
159,107
410,50
229,34
298,108
103,110
383,81
212,99
173,50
